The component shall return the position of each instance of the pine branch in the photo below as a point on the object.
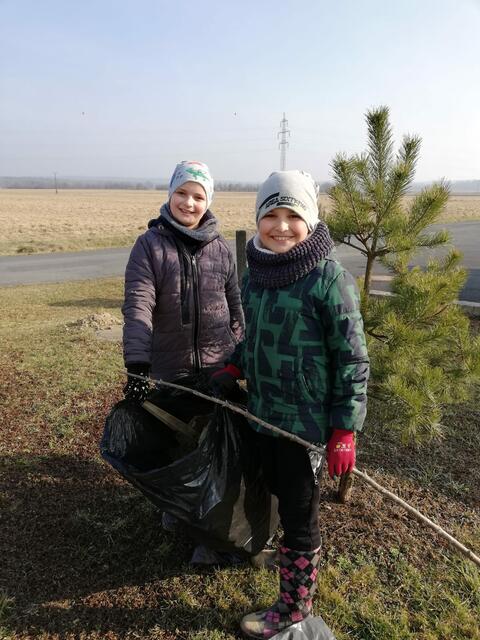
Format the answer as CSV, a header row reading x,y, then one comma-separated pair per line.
x,y
437,313
344,170
354,246
433,240
378,336
426,206
379,397
402,173
389,250
399,189
410,150
379,141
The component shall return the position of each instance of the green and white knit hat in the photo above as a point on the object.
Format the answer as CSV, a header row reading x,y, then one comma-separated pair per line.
x,y
192,171
295,190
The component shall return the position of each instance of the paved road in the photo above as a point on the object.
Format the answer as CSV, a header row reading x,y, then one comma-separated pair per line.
x,y
59,267
465,236
82,265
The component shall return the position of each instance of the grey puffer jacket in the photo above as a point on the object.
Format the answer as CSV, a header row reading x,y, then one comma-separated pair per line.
x,y
182,309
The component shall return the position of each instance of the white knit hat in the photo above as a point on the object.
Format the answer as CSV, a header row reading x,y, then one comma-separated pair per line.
x,y
192,171
295,190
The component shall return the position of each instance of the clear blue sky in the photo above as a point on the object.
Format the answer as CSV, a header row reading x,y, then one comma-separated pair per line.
x,y
127,88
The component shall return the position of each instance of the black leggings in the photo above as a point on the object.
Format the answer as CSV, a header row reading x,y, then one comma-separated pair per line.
x,y
289,476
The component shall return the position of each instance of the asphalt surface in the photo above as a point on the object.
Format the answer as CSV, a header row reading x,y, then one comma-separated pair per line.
x,y
84,265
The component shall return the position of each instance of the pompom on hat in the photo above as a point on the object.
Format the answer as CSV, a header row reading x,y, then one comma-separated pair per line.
x,y
192,171
295,190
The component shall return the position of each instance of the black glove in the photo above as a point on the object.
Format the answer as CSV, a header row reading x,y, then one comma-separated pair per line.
x,y
135,389
224,381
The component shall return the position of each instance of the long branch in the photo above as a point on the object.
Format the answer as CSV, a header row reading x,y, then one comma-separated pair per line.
x,y
290,436
453,541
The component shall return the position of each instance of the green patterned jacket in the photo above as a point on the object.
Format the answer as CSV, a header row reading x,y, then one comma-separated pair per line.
x,y
304,354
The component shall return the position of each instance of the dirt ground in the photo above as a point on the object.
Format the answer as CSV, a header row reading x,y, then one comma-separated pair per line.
x,y
82,550
84,557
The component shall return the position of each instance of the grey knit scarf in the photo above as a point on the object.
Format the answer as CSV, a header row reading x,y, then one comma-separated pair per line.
x,y
206,232
273,270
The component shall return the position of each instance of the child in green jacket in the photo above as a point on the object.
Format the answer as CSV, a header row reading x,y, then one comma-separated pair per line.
x,y
305,361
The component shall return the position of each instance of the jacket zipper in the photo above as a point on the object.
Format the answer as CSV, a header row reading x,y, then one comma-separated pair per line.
x,y
257,338
196,315
184,283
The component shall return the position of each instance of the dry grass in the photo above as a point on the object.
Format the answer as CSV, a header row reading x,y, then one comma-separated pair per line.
x,y
83,555
38,220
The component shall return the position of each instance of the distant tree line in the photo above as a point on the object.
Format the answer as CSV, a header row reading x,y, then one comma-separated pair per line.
x,y
79,183
456,187
109,183
221,185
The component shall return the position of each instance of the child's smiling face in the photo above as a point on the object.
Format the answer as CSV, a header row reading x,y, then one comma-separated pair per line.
x,y
281,229
188,203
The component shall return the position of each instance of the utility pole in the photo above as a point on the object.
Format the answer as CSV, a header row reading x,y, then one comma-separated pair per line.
x,y
55,181
283,144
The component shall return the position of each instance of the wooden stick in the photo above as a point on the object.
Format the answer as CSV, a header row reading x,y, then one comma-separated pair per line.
x,y
232,407
171,421
290,436
345,487
453,541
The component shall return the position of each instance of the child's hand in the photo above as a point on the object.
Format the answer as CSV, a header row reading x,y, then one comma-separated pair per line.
x,y
340,452
224,381
136,389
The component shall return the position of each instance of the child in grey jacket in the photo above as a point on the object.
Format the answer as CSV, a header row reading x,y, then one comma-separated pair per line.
x,y
182,308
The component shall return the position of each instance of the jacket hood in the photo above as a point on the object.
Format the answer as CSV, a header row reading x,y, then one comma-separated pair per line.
x,y
154,222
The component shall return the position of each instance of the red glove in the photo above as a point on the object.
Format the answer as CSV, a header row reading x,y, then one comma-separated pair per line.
x,y
340,452
224,381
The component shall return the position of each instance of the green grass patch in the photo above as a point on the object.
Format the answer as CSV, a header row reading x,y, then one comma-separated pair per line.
x,y
83,553
6,606
82,243
43,338
394,600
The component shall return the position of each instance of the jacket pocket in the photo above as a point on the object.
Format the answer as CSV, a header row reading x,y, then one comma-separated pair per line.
x,y
307,387
293,389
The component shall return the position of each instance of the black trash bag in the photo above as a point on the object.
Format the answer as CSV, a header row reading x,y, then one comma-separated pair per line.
x,y
184,405
217,490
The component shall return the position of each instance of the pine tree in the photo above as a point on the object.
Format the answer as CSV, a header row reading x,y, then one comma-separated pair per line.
x,y
423,356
